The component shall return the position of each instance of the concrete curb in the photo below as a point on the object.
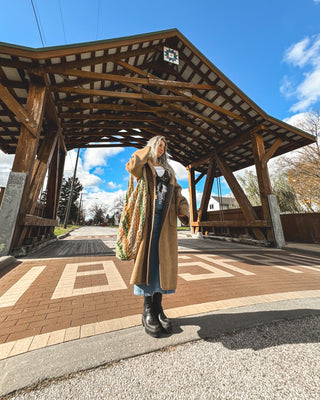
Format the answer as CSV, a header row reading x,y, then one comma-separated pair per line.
x,y
6,260
30,369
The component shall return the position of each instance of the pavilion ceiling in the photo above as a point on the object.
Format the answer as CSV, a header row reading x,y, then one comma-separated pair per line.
x,y
121,92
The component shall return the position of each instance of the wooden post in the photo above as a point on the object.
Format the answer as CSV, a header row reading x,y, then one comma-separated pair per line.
x,y
239,194
193,200
40,169
263,178
1,193
54,183
202,213
28,142
27,149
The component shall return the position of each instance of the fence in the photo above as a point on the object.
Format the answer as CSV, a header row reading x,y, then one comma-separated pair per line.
x,y
303,228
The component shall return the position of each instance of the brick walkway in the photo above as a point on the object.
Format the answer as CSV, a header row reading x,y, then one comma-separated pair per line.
x,y
65,293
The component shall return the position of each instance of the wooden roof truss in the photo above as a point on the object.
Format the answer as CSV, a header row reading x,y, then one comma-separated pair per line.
x,y
122,92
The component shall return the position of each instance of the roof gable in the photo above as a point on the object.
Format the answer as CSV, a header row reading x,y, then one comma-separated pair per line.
x,y
121,92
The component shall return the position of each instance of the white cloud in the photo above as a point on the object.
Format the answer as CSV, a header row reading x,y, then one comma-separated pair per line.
x,y
306,56
287,87
296,119
317,1
185,193
180,170
99,171
6,161
86,178
98,157
112,185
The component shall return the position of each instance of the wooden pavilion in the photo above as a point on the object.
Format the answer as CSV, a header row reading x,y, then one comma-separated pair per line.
x,y
121,92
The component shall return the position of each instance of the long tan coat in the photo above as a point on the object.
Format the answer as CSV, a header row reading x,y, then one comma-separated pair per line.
x,y
175,205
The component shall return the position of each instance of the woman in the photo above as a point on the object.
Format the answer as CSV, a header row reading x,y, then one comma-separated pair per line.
x,y
156,265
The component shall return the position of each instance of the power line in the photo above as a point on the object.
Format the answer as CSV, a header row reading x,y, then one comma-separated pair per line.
x,y
35,14
64,32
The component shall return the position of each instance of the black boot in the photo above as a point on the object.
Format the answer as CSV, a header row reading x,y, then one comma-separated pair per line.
x,y
149,319
163,319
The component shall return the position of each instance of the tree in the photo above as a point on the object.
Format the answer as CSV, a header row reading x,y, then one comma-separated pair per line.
x,y
303,166
287,199
249,184
118,204
64,196
98,212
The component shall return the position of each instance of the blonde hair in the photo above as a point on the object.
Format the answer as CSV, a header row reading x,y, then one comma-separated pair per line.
x,y
162,160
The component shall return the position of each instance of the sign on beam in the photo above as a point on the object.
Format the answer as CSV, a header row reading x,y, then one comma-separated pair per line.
x,y
170,55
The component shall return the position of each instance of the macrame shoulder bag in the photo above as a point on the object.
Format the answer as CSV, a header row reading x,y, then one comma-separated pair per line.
x,y
132,218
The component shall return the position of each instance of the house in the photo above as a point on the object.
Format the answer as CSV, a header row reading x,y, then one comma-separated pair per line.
x,y
217,203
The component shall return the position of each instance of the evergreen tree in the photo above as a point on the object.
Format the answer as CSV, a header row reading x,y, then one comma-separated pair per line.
x,y
64,197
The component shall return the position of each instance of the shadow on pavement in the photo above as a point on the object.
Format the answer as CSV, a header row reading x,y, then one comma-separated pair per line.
x,y
211,327
72,248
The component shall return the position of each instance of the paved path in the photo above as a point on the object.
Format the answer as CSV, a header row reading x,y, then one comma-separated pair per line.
x,y
76,290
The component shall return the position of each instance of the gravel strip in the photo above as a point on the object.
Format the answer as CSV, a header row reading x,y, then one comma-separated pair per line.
x,y
275,361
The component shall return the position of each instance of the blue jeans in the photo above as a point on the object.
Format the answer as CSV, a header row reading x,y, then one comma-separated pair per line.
x,y
154,277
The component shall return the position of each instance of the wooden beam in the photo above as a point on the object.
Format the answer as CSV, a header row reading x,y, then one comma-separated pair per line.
x,y
27,148
121,95
2,189
233,224
192,195
199,177
190,96
202,212
109,117
40,168
28,142
128,79
246,208
60,169
183,109
33,220
228,146
269,154
79,63
240,139
111,107
13,105
263,178
52,184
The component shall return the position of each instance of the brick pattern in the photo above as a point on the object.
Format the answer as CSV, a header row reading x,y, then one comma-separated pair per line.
x,y
100,298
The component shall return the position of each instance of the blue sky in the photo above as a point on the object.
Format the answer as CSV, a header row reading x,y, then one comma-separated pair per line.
x,y
269,49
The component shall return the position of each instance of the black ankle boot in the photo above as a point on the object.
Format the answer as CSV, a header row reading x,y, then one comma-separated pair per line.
x,y
163,319
149,319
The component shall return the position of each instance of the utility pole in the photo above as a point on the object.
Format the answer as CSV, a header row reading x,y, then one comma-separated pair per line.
x,y
66,217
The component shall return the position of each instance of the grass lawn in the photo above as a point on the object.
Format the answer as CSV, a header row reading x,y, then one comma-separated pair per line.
x,y
60,230
183,228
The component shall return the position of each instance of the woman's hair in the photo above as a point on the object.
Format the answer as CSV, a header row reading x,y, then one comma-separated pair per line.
x,y
163,160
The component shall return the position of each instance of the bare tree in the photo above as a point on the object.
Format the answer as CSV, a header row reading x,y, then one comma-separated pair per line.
x,y
303,166
98,212
118,204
